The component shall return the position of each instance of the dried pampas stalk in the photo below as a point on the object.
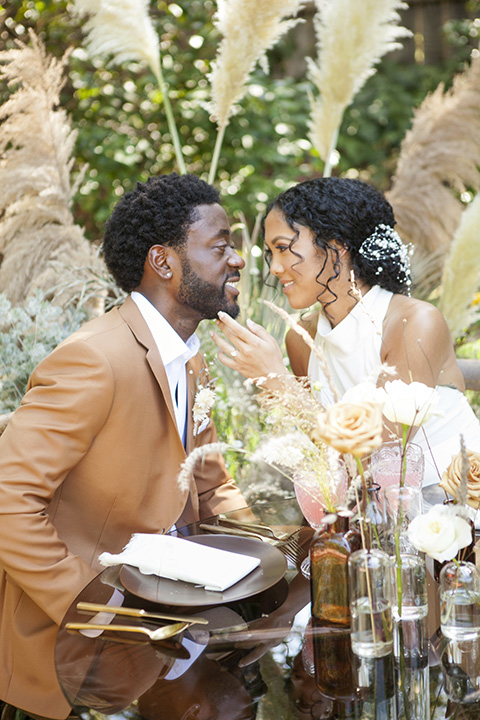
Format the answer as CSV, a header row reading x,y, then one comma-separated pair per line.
x,y
439,159
36,143
200,453
308,341
249,29
461,272
352,37
123,29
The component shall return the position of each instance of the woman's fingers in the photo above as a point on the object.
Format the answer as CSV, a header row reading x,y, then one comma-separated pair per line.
x,y
232,329
226,348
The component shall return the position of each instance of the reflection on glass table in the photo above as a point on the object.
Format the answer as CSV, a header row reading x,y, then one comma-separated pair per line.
x,y
260,656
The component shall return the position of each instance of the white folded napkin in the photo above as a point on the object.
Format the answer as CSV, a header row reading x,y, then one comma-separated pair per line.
x,y
178,559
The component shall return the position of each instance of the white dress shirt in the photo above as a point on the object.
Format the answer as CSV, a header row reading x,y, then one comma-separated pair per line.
x,y
175,354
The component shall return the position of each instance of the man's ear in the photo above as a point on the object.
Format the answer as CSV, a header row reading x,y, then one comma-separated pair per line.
x,y
158,260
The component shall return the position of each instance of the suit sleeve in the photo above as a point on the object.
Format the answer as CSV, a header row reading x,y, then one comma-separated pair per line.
x,y
68,400
217,491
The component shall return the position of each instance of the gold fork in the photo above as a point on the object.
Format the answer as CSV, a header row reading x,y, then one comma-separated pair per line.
x,y
290,538
289,550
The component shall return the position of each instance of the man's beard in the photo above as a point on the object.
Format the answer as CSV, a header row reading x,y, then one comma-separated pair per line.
x,y
206,298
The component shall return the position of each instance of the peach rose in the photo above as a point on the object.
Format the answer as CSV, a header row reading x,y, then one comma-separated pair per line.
x,y
451,478
351,427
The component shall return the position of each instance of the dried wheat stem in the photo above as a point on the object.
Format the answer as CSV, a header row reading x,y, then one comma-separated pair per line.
x,y
310,343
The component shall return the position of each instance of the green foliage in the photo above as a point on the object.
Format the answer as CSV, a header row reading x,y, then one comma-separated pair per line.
x,y
123,137
27,335
123,134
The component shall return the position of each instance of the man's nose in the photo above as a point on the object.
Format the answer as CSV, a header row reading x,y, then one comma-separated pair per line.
x,y
234,260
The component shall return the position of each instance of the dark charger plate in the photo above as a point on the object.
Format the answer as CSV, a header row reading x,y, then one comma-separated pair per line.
x,y
272,568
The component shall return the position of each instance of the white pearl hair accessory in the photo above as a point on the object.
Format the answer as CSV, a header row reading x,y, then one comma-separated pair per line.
x,y
385,244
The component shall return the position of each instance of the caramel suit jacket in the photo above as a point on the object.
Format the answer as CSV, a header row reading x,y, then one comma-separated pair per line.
x,y
90,457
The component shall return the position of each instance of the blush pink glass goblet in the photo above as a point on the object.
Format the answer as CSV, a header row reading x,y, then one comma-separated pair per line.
x,y
311,498
386,465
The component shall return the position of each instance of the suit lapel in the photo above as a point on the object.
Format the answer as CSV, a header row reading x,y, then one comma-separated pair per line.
x,y
134,319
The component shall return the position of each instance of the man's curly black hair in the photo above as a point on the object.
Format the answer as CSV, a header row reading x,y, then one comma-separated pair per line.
x,y
346,210
158,212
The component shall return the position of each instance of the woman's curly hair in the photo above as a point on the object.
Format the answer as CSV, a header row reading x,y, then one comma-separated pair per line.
x,y
158,211
348,211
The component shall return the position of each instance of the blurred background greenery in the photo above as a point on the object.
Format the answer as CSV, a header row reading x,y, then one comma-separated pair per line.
x,y
122,131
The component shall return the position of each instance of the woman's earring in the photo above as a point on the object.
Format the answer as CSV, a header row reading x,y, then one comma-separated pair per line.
x,y
168,274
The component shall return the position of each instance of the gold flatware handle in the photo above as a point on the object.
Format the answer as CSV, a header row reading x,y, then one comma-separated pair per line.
x,y
234,531
260,529
139,613
159,634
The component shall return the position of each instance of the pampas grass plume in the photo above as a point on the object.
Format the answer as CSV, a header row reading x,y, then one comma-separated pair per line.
x,y
461,272
439,159
249,29
124,29
36,145
352,36
121,28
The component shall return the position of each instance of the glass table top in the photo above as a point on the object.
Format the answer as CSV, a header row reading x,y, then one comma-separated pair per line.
x,y
260,656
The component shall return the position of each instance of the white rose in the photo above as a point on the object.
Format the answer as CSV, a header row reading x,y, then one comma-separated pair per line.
x,y
440,533
410,404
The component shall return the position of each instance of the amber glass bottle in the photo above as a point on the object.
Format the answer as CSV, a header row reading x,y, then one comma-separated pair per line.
x,y
329,572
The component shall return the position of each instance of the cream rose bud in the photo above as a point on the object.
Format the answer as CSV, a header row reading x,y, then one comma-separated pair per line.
x,y
440,533
351,427
410,404
451,478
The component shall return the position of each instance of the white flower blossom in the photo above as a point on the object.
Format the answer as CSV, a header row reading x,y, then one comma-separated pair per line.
x,y
364,391
411,404
440,532
204,401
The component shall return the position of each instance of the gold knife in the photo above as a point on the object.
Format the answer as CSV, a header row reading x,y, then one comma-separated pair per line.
x,y
139,613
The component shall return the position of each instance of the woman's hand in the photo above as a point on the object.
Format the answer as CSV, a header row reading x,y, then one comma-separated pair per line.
x,y
252,351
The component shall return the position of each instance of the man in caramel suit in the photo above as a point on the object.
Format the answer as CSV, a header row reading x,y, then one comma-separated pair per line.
x,y
93,453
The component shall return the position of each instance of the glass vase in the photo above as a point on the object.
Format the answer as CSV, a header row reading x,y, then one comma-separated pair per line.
x,y
410,609
370,516
329,555
402,504
460,601
466,554
370,603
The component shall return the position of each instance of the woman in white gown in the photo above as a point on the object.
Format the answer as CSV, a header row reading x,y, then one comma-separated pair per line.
x,y
331,241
